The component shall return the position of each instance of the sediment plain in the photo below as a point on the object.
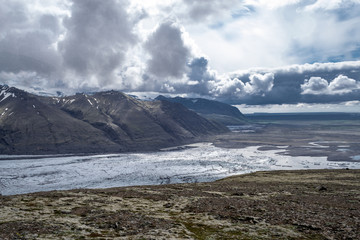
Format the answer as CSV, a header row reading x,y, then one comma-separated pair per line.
x,y
287,204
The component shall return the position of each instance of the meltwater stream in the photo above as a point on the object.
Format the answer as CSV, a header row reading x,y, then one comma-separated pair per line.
x,y
202,162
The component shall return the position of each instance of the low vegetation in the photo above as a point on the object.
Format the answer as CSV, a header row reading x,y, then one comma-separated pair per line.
x,y
315,204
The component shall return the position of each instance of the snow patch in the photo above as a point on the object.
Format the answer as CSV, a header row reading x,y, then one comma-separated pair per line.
x,y
90,102
5,94
68,101
4,112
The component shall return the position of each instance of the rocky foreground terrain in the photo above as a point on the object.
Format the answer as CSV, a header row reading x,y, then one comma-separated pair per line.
x,y
312,204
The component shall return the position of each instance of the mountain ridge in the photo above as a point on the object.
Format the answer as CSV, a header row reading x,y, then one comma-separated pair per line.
x,y
103,122
211,109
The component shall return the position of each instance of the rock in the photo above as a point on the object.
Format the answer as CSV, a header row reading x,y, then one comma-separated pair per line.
x,y
168,205
237,194
249,219
321,188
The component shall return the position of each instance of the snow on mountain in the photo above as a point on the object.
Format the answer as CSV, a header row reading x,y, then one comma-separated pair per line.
x,y
5,92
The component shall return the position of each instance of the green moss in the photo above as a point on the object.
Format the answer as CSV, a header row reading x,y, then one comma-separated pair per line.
x,y
205,232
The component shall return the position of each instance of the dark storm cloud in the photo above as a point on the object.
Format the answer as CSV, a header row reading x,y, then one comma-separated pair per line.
x,y
26,42
99,33
49,22
168,53
199,69
199,76
12,15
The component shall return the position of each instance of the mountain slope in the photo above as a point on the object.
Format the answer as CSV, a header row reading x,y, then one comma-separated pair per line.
x,y
29,126
102,122
135,123
212,110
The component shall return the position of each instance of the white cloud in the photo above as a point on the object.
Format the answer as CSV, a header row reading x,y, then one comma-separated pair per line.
x,y
352,103
343,84
330,4
315,85
279,33
305,68
260,83
226,86
319,86
272,4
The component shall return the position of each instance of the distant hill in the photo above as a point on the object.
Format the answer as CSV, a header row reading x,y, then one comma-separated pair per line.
x,y
304,116
211,110
98,123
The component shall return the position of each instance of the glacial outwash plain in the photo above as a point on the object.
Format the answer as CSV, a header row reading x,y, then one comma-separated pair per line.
x,y
300,180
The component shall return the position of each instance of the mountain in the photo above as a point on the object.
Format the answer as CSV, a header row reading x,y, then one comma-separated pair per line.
x,y
211,110
102,122
29,126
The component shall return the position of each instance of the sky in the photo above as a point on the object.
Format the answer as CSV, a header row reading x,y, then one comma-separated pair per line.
x,y
296,53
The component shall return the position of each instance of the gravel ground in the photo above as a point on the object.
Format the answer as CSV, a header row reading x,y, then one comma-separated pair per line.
x,y
306,204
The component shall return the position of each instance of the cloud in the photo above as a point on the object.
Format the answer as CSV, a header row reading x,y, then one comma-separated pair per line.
x,y
331,4
186,47
199,69
27,37
279,33
350,106
342,84
234,88
319,86
168,53
260,83
286,84
318,67
99,33
226,87
211,11
315,85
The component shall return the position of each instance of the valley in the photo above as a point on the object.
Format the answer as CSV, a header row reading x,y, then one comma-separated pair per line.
x,y
249,148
